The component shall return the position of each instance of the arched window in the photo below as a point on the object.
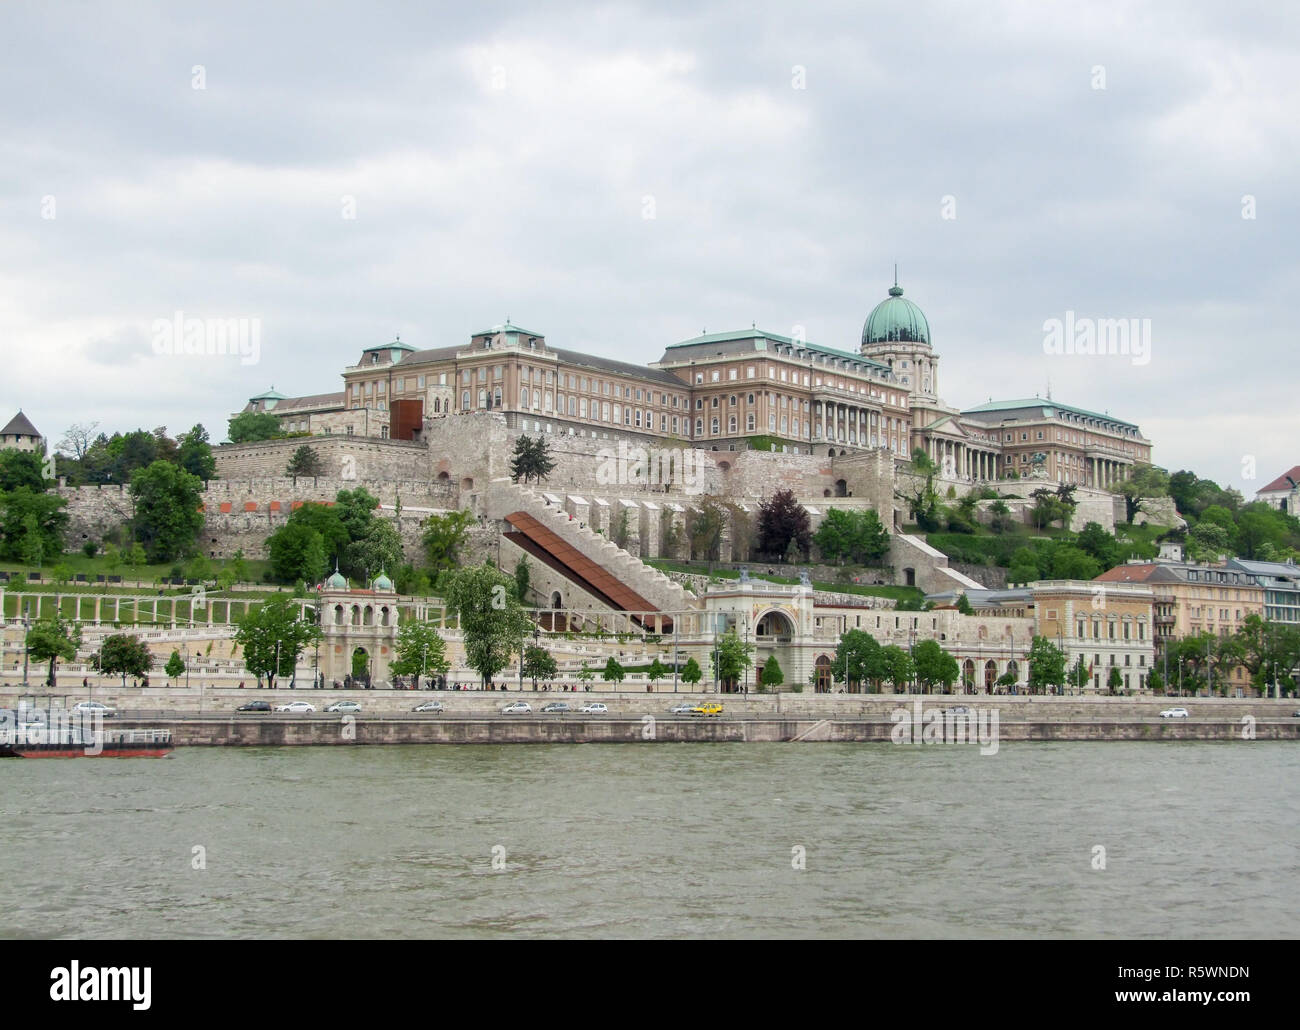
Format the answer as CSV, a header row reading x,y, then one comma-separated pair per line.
x,y
464,401
731,424
523,397
713,425
482,398
699,427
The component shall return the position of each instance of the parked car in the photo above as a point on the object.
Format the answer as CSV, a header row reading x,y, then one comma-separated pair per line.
x,y
350,707
707,708
255,706
594,708
517,708
296,706
682,708
93,707
1174,713
429,706
556,706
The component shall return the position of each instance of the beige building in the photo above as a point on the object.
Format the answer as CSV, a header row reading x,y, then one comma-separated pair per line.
x,y
21,435
1108,625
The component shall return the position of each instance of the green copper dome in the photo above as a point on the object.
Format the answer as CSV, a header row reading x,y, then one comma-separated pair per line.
x,y
383,582
336,581
896,319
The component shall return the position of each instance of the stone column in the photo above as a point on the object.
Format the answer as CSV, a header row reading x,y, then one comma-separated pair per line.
x,y
649,529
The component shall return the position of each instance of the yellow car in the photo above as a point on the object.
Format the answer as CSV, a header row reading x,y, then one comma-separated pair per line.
x,y
707,708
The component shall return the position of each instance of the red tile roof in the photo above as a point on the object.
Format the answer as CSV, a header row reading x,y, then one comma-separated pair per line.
x,y
1280,483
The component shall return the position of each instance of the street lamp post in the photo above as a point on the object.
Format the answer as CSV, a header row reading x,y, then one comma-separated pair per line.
x,y
27,628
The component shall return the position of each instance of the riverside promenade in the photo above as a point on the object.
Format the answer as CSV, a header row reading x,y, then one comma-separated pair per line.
x,y
209,718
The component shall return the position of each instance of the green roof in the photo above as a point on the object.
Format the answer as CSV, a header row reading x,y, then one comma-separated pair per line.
x,y
1048,407
270,395
508,327
896,319
760,334
395,345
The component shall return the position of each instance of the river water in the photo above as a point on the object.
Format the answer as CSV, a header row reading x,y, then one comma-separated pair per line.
x,y
658,840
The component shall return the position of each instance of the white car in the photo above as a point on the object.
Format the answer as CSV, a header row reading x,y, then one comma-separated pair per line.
x,y
594,708
1174,713
296,706
517,708
429,706
682,708
92,708
343,706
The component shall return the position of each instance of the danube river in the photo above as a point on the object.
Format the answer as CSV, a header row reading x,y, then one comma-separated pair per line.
x,y
658,840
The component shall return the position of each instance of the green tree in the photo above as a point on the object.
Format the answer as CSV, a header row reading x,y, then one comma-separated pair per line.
x,y
22,469
964,605
897,663
656,672
377,551
539,663
444,538
919,492
858,659
732,656
112,558
1100,545
135,556
239,566
420,650
1046,665
614,672
1001,516
1143,482
1079,674
855,535
175,666
356,511
273,635
934,665
254,426
32,525
522,577
531,459
491,619
704,525
297,552
124,654
1114,680
1207,540
772,676
585,674
305,462
691,672
167,517
783,522
195,454
51,639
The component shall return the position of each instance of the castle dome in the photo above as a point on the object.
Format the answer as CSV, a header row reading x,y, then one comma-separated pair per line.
x,y
895,319
383,582
336,581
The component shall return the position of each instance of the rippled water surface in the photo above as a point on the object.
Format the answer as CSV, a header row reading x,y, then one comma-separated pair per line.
x,y
664,840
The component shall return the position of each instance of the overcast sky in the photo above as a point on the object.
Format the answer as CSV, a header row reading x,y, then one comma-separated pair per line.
x,y
619,177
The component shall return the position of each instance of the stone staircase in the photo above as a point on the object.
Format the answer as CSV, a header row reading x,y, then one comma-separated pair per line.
x,y
505,497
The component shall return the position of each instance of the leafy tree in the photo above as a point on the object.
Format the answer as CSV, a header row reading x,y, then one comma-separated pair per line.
x,y
921,497
32,525
852,535
61,574
297,552
1265,646
305,462
1023,572
613,671
22,468
1069,562
112,558
380,549
1079,674
1156,682
539,663
51,639
585,674
783,521
322,518
531,459
1143,482
167,517
254,426
1207,540
934,665
1114,680
704,525
656,672
691,672
858,659
77,439
175,666
1260,526
356,511
135,556
444,538
124,654
1095,541
1046,665
490,617
772,676
898,666
273,635
964,605
199,568
732,656
194,454
1001,516
239,566
1048,508
420,650
522,577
